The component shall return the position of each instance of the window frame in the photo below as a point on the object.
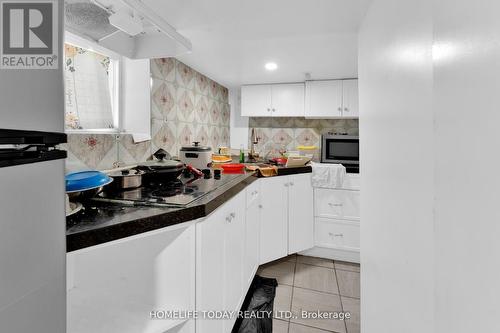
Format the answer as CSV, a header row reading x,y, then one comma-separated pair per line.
x,y
116,64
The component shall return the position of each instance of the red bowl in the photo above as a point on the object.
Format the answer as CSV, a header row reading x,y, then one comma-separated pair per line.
x,y
232,167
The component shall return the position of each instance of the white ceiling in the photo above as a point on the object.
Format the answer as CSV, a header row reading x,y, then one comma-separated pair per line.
x,y
233,39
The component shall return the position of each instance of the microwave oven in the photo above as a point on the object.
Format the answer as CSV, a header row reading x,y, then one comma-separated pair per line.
x,y
341,149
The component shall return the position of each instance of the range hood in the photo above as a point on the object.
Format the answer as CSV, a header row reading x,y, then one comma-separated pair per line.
x,y
127,27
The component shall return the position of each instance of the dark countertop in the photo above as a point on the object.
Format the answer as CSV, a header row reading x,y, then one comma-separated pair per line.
x,y
104,222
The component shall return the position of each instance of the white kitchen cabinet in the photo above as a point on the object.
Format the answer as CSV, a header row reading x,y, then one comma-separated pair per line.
x,y
274,219
337,221
256,101
234,255
210,269
252,232
273,100
115,286
300,213
287,216
332,99
287,100
220,262
335,203
323,99
350,98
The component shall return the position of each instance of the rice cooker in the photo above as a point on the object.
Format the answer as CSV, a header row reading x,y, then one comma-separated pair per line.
x,y
198,156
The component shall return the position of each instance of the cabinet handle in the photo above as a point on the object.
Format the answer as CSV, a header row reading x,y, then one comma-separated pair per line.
x,y
291,184
335,235
346,109
339,109
287,184
268,109
228,219
335,204
233,215
260,206
274,109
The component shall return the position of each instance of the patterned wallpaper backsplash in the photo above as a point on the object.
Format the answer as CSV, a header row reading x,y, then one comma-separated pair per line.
x,y
186,106
287,133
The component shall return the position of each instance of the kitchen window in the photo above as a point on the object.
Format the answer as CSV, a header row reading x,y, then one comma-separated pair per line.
x,y
91,77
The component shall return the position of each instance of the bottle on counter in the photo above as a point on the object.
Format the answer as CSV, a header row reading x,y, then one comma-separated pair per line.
x,y
242,154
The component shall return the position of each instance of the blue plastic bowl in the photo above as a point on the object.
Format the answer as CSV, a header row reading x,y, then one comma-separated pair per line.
x,y
86,180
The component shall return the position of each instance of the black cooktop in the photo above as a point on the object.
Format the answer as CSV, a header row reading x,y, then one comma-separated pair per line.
x,y
180,192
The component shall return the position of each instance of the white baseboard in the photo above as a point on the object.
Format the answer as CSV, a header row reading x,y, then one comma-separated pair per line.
x,y
334,254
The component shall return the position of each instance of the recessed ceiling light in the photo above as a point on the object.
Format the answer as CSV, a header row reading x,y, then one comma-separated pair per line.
x,y
271,66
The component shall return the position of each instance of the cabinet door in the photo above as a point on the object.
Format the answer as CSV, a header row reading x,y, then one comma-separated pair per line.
x,y
323,99
252,233
234,255
274,219
300,213
210,270
350,99
288,100
256,101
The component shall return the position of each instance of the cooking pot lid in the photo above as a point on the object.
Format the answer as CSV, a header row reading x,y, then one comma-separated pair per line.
x,y
126,172
196,147
162,164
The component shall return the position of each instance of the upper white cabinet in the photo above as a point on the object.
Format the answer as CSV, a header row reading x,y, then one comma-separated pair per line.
x,y
323,99
273,100
350,99
288,100
332,99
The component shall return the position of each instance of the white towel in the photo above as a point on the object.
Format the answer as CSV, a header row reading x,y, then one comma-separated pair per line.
x,y
328,175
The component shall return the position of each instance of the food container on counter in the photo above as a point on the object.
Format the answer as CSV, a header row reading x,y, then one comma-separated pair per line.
x,y
198,156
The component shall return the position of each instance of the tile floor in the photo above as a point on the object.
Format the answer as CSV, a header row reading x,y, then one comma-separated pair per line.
x,y
312,284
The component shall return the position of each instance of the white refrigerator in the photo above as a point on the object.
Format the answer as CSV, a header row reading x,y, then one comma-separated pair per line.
x,y
32,198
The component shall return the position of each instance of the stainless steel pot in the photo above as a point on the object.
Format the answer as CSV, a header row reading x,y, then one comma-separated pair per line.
x,y
126,179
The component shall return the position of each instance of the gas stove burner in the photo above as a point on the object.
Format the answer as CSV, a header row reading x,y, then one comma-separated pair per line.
x,y
162,193
172,184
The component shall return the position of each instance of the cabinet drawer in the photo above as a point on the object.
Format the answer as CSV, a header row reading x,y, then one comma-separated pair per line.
x,y
253,193
351,182
337,234
340,204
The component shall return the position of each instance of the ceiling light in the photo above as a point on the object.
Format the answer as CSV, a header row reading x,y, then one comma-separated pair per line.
x,y
271,66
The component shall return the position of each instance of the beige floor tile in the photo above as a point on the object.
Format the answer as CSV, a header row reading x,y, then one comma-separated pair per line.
x,y
316,278
281,271
283,299
313,301
296,328
347,266
352,306
315,261
349,283
280,326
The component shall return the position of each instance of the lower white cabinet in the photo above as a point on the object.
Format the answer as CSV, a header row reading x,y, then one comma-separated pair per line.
x,y
220,263
287,216
300,213
252,232
337,221
274,219
114,287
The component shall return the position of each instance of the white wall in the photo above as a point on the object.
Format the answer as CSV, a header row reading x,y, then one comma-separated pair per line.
x,y
467,116
429,98
396,126
238,124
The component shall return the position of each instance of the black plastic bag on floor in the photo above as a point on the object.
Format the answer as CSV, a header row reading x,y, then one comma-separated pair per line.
x,y
259,302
